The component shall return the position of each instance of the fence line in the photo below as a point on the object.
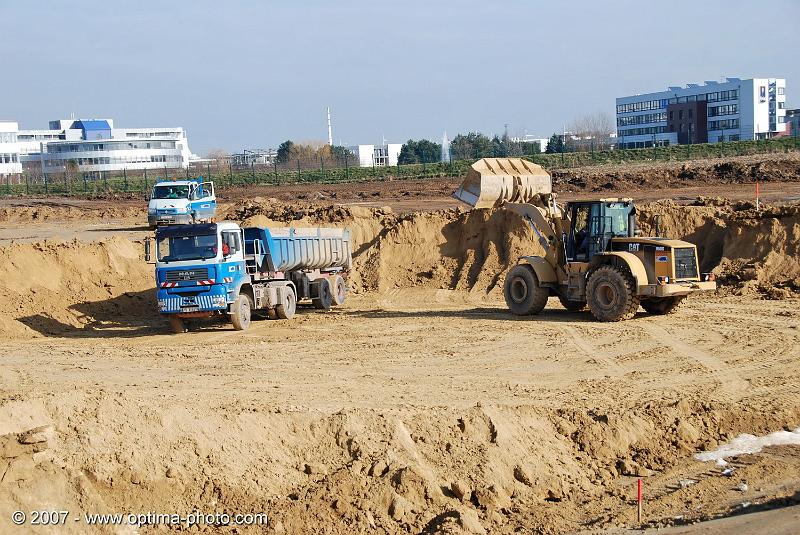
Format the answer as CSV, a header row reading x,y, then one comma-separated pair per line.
x,y
331,172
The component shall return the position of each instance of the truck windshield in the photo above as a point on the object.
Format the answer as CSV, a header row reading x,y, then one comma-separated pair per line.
x,y
177,248
171,192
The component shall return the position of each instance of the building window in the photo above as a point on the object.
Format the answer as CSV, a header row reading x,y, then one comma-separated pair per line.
x,y
680,116
671,115
690,114
781,90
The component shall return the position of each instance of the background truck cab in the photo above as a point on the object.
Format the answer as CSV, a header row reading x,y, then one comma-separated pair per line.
x,y
181,202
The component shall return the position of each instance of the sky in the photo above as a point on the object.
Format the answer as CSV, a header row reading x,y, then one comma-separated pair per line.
x,y
251,74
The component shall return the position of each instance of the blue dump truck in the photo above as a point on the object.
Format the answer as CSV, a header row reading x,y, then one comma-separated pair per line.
x,y
181,202
213,269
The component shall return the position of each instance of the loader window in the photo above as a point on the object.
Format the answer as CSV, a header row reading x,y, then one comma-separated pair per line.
x,y
617,219
580,232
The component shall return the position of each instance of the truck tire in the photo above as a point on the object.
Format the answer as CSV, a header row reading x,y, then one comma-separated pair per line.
x,y
339,289
523,294
611,295
663,305
271,314
324,298
285,310
240,312
177,324
572,306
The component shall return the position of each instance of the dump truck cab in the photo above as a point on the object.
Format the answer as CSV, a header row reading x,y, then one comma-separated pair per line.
x,y
214,269
181,202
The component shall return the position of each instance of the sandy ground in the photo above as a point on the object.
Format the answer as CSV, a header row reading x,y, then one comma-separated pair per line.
x,y
412,409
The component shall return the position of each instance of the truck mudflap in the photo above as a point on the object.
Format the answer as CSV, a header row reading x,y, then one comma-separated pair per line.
x,y
676,288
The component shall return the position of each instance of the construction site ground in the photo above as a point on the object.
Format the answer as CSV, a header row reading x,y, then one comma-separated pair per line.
x,y
421,405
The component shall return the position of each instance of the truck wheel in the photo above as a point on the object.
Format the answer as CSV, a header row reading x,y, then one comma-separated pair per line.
x,y
523,294
611,295
285,310
271,314
324,299
572,306
177,324
240,312
339,290
663,305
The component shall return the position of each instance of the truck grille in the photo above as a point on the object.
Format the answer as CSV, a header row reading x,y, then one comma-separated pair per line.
x,y
685,264
178,275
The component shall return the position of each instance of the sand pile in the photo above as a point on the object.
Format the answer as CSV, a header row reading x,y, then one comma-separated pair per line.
x,y
470,470
750,250
37,213
658,175
55,287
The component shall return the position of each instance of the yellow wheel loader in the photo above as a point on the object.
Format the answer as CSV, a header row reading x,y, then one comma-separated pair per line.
x,y
593,253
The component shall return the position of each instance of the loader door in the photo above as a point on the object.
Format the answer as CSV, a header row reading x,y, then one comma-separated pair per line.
x,y
586,231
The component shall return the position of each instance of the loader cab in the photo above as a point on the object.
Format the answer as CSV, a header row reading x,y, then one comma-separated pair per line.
x,y
594,223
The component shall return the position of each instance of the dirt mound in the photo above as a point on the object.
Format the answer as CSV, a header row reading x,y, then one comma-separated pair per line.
x,y
37,213
54,287
653,175
472,470
750,250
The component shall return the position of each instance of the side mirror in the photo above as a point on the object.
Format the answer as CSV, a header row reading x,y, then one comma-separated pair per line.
x,y
148,257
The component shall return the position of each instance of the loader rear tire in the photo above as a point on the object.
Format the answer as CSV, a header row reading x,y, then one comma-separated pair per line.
x,y
324,298
663,305
339,290
240,312
285,310
523,294
177,324
572,306
611,295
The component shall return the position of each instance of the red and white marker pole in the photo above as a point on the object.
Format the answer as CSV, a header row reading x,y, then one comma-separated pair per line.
x,y
639,500
758,204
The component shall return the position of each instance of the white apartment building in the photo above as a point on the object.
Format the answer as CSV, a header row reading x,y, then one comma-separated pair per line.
x,y
377,155
94,146
10,165
711,112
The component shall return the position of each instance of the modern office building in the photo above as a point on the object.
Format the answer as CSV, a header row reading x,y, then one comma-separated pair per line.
x,y
377,155
732,110
10,166
793,122
94,147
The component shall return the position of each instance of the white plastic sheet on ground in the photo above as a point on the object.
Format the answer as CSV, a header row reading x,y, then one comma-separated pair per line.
x,y
745,443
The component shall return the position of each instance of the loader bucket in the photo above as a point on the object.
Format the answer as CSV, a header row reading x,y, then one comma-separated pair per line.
x,y
492,181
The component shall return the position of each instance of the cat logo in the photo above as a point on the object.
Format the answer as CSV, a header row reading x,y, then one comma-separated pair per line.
x,y
633,247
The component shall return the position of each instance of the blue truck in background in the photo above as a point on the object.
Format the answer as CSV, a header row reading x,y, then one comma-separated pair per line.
x,y
181,202
213,269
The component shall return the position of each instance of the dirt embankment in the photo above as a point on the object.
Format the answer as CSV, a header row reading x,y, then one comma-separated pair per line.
x,y
749,249
743,170
391,471
53,287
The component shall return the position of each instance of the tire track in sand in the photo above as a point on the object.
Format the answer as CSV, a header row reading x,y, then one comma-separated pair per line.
x,y
731,385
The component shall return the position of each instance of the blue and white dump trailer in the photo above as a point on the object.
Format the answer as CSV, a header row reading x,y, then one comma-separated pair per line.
x,y
211,269
175,202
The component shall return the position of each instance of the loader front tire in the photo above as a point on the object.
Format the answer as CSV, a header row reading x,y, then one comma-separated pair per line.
x,y
611,294
240,312
523,294
663,305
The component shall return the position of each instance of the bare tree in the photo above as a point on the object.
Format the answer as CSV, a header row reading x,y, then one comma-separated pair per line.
x,y
591,131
